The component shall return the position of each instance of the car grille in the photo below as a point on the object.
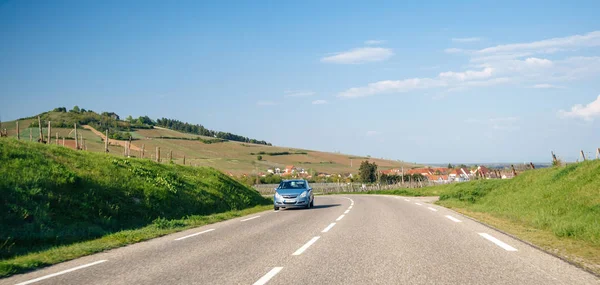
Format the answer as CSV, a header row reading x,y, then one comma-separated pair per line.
x,y
289,196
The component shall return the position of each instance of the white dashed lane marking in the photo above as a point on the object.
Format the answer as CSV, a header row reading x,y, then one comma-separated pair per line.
x,y
263,280
306,246
453,219
193,235
498,242
248,219
61,272
328,228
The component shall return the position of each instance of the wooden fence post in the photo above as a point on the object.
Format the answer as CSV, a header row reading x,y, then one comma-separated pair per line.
x,y
513,170
18,134
30,134
582,155
49,133
142,151
598,153
57,138
41,139
157,154
184,159
76,138
106,142
532,166
125,149
63,141
170,156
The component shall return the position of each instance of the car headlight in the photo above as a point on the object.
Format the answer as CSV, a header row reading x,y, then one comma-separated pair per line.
x,y
277,196
303,195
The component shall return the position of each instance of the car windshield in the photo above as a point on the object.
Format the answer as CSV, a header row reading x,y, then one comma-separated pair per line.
x,y
292,185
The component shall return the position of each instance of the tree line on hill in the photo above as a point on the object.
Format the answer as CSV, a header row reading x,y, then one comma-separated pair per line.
x,y
119,129
201,130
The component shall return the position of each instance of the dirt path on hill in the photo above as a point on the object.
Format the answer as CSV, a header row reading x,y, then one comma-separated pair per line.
x,y
111,141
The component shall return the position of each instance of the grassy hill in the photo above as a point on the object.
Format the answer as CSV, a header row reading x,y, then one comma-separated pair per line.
x,y
52,195
228,156
555,208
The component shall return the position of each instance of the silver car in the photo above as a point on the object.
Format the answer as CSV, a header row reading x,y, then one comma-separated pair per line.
x,y
293,194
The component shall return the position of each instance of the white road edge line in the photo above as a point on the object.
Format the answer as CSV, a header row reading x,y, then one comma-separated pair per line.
x,y
328,228
248,219
61,272
193,235
263,280
453,219
433,209
406,200
305,246
419,204
350,207
498,242
339,218
347,211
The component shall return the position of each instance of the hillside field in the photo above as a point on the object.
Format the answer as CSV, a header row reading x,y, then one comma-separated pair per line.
x,y
230,156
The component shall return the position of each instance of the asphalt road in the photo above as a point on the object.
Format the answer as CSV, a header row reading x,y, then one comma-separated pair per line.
x,y
379,240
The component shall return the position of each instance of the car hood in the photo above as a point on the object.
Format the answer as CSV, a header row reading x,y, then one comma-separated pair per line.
x,y
290,191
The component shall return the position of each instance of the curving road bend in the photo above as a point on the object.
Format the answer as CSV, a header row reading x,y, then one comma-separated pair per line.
x,y
353,239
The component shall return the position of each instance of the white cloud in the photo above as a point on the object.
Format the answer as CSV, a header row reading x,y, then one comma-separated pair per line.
x,y
453,50
319,102
297,93
372,133
587,112
391,86
548,46
467,75
466,40
546,86
265,103
374,42
360,55
501,65
538,62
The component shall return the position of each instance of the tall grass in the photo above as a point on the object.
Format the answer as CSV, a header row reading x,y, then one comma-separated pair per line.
x,y
51,195
562,200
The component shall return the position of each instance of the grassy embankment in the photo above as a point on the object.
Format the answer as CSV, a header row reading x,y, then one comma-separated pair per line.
x,y
557,209
58,204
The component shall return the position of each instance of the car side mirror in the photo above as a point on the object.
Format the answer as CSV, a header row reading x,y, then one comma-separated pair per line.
x,y
309,189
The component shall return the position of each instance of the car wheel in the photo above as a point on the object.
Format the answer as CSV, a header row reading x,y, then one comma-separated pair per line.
x,y
275,208
312,203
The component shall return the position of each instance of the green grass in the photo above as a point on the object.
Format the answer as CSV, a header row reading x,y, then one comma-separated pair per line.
x,y
557,209
158,228
53,196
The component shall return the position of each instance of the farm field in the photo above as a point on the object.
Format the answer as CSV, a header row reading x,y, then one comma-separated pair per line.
x,y
229,156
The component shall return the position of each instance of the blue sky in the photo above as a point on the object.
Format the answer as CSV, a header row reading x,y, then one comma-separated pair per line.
x,y
419,81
